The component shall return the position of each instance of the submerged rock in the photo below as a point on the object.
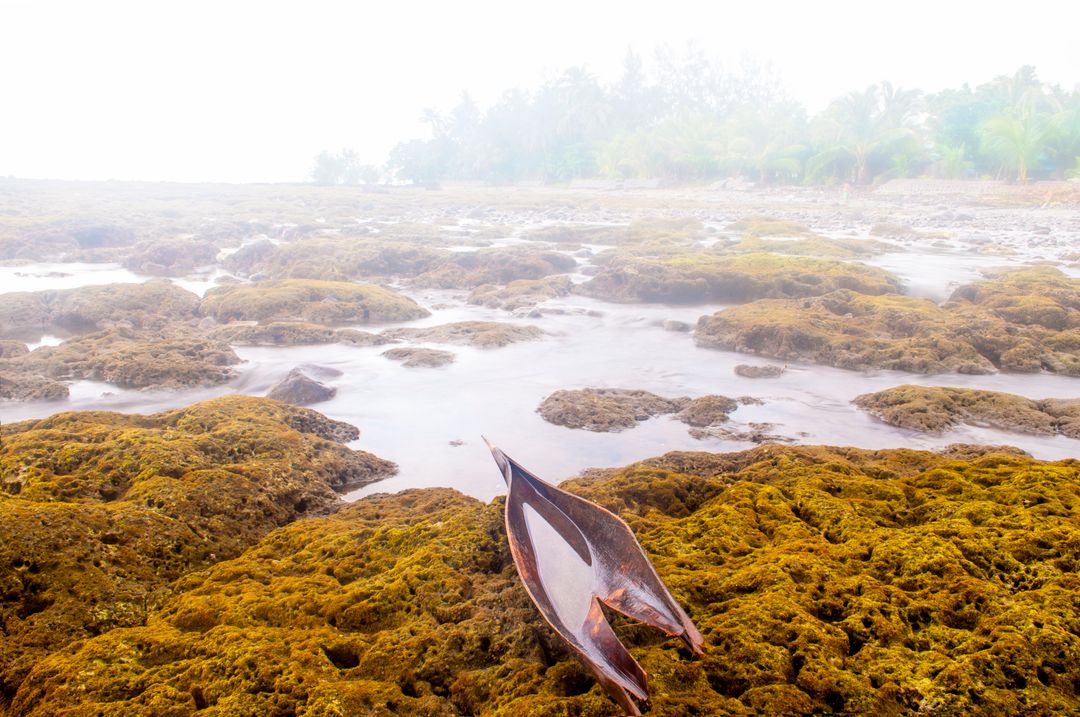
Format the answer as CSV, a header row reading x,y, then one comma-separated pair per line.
x,y
414,357
481,334
935,409
824,580
299,389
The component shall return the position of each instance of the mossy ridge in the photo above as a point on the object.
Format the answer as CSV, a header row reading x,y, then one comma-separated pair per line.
x,y
318,302
152,304
676,231
825,580
936,409
1023,321
813,246
703,277
100,511
175,358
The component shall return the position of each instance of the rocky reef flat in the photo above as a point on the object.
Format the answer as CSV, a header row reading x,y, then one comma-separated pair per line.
x,y
173,542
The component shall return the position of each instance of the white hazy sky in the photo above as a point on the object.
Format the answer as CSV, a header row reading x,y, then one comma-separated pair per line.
x,y
250,91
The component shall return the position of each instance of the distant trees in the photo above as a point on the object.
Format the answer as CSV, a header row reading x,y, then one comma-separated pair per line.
x,y
343,167
693,119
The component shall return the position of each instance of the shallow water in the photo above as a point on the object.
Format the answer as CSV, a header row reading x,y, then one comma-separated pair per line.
x,y
411,415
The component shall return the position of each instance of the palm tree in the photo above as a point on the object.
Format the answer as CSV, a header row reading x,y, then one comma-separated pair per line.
x,y
862,127
1016,141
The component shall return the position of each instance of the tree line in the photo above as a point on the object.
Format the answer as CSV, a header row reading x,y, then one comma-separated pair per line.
x,y
696,120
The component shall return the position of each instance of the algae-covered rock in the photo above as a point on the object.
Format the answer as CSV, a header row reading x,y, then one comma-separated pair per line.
x,y
765,371
334,259
174,256
170,359
292,333
100,511
20,386
935,409
521,293
1022,321
481,334
828,581
699,278
415,357
468,270
10,348
152,304
605,409
317,302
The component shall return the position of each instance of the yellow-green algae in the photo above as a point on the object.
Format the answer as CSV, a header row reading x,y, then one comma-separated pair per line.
x,y
1022,321
318,302
701,277
825,580
938,408
151,304
100,511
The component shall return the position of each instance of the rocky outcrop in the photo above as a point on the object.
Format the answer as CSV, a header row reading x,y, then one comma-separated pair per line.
x,y
480,334
149,305
317,302
414,357
1024,321
299,389
701,278
935,409
824,580
100,512
766,371
175,358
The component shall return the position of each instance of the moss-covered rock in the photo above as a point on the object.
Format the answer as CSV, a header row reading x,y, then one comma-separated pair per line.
x,y
99,511
605,409
10,348
521,293
333,259
174,256
812,246
824,580
935,409
1021,321
415,357
152,304
701,277
23,386
481,334
318,302
170,359
292,333
752,371
468,270
642,230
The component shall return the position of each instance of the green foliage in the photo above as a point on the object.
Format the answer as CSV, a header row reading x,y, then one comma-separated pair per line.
x,y
693,119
